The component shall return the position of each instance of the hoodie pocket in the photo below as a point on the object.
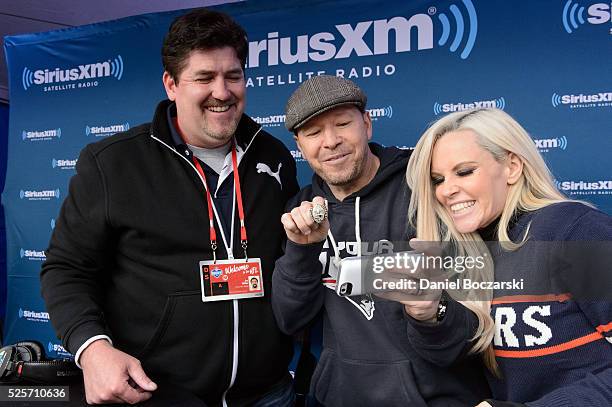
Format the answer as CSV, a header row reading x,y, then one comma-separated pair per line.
x,y
342,382
189,335
160,329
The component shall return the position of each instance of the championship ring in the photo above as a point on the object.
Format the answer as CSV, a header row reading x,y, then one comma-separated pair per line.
x,y
318,213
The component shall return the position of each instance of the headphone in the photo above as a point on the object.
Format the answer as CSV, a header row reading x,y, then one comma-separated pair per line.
x,y
24,361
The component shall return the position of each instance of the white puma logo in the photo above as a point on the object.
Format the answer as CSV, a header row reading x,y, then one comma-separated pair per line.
x,y
261,167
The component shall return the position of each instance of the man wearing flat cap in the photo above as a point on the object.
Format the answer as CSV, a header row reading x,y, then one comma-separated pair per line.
x,y
356,206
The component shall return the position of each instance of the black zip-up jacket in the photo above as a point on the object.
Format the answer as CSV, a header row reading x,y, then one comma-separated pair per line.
x,y
369,357
123,261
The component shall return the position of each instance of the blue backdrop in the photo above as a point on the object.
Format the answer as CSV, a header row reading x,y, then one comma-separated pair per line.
x,y
547,63
4,127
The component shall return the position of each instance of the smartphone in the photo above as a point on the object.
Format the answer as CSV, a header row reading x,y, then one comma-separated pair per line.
x,y
357,274
349,281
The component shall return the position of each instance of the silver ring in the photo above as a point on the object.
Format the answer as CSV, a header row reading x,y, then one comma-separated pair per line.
x,y
318,213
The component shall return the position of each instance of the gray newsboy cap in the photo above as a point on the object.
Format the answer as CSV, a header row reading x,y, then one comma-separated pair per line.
x,y
320,94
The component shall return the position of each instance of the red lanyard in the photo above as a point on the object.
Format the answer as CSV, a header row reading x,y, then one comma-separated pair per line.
x,y
213,233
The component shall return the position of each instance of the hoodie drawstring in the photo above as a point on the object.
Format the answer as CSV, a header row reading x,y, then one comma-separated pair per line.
x,y
357,229
357,235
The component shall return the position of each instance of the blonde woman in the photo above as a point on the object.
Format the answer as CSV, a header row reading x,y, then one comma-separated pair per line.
x,y
477,176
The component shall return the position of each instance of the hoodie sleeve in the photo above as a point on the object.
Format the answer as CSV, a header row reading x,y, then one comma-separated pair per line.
x,y
297,292
444,342
73,275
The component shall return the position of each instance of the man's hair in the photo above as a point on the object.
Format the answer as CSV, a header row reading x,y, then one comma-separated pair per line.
x,y
201,29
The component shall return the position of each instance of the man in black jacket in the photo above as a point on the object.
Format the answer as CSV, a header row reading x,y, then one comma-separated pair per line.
x,y
357,205
151,215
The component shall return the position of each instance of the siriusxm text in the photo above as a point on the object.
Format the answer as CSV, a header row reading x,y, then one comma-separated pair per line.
x,y
585,186
40,194
107,129
582,98
345,40
33,314
41,134
460,107
89,71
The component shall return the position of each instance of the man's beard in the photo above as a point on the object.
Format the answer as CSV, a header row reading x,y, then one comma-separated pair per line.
x,y
347,177
225,134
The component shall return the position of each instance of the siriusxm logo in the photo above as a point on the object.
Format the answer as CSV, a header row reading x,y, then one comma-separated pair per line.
x,y
544,145
278,120
371,37
499,103
297,156
63,164
103,131
43,195
109,68
270,121
574,15
57,348
601,99
34,315
585,187
32,254
381,112
42,135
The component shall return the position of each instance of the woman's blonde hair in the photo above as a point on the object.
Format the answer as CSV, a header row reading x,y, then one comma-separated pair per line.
x,y
499,134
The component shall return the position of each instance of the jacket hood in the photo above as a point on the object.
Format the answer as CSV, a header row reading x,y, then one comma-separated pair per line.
x,y
392,161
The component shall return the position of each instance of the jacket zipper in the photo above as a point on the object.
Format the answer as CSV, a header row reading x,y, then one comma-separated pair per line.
x,y
234,302
235,353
